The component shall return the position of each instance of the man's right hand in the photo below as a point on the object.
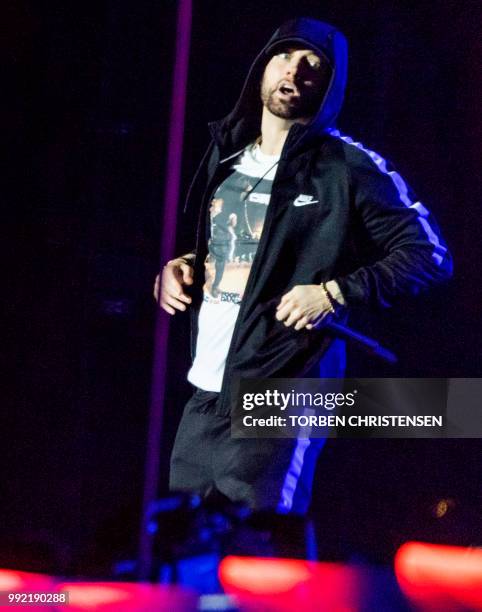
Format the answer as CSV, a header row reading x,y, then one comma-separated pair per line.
x,y
168,288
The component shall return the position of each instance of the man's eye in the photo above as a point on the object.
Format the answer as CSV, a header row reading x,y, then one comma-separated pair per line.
x,y
284,55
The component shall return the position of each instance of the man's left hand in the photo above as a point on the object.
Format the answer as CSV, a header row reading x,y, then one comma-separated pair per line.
x,y
304,306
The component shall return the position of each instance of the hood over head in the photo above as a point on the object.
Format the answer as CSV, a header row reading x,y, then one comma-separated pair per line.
x,y
242,125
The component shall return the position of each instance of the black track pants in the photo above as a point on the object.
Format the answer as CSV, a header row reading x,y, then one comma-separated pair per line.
x,y
267,473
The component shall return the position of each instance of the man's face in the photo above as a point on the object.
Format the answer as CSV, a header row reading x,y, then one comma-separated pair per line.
x,y
294,83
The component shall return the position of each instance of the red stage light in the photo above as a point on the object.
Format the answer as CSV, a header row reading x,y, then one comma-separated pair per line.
x,y
126,597
12,580
101,596
440,577
268,576
286,584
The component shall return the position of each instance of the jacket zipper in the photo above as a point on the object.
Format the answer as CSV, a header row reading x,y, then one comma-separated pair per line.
x,y
254,268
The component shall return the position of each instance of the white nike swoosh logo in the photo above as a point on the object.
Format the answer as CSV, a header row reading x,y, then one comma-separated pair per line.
x,y
304,200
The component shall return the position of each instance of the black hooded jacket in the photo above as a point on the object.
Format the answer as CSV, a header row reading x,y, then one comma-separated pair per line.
x,y
364,228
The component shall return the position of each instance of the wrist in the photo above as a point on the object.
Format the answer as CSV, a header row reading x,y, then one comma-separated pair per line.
x,y
334,290
333,296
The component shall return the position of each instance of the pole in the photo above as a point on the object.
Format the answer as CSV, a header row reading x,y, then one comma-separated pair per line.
x,y
161,337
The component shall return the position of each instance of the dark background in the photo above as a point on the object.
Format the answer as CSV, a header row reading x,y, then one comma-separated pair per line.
x,y
85,120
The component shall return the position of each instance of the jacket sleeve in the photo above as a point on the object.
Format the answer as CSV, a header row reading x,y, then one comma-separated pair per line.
x,y
412,253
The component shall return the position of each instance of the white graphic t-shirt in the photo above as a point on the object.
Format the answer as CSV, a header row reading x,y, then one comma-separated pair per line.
x,y
237,214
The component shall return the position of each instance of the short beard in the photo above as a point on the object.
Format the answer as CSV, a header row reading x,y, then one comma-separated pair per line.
x,y
305,107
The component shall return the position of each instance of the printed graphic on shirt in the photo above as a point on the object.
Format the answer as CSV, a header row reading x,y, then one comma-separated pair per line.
x,y
237,216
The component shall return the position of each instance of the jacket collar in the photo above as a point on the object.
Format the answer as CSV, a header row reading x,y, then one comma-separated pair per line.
x,y
232,141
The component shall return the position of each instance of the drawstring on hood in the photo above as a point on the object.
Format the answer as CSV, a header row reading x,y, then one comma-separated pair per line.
x,y
242,125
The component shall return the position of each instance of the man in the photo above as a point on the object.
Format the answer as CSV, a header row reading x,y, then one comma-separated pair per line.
x,y
323,224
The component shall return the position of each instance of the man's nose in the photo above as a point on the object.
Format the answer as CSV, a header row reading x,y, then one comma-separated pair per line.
x,y
292,68
296,69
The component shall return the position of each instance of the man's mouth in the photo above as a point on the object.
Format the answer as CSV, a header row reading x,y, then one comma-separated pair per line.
x,y
288,89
